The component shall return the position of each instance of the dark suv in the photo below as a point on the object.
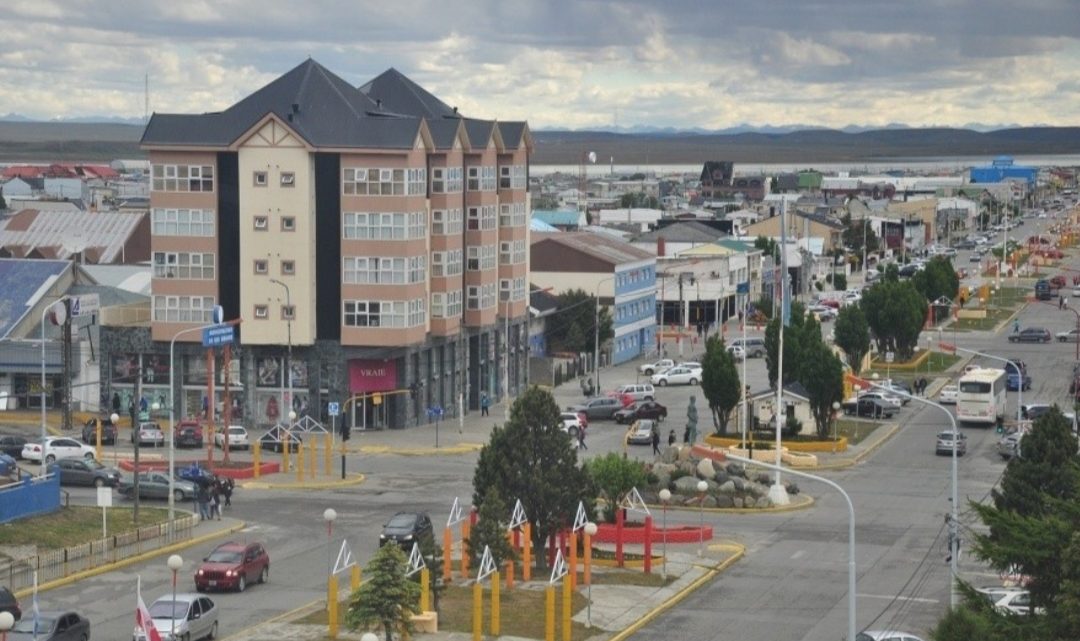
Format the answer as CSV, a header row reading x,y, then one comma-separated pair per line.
x,y
404,528
108,432
8,603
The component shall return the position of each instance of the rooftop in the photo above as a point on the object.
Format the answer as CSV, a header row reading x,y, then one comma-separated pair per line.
x,y
601,246
60,234
21,285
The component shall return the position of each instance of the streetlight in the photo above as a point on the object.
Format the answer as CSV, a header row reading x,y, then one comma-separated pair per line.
x,y
287,370
61,316
701,487
590,531
7,621
329,515
174,563
665,498
835,413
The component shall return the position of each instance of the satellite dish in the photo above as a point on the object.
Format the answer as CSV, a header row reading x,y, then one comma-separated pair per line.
x,y
592,157
58,313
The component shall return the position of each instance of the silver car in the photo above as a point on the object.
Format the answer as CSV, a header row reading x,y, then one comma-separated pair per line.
x,y
189,618
949,439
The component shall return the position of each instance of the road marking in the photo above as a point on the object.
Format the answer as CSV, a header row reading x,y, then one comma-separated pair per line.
x,y
797,554
890,597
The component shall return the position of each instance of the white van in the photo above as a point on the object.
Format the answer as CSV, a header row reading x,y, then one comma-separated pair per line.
x,y
754,347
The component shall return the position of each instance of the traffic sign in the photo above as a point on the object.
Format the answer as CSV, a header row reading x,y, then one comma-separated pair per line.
x,y
333,408
84,305
742,288
218,335
219,314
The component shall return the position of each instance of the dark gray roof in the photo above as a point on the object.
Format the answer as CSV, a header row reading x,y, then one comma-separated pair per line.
x,y
21,287
479,132
828,221
682,232
329,112
401,95
443,132
543,301
513,134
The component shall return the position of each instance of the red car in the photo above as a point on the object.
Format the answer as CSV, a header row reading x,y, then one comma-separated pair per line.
x,y
232,566
1057,282
189,434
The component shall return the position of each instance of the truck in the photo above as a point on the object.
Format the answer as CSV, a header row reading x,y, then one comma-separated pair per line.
x,y
1043,290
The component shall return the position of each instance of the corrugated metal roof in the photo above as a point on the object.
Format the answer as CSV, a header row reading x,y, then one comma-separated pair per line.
x,y
606,248
63,233
21,280
557,217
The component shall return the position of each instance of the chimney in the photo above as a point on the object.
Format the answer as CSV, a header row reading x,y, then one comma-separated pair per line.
x,y
661,247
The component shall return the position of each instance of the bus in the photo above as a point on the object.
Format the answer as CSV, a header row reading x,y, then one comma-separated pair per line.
x,y
981,396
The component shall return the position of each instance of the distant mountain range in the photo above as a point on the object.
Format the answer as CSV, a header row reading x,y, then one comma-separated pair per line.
x,y
22,139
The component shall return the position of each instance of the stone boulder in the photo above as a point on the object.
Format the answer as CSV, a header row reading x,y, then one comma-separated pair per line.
x,y
708,501
705,469
737,501
736,469
740,483
722,477
686,485
724,500
763,502
684,453
728,487
670,454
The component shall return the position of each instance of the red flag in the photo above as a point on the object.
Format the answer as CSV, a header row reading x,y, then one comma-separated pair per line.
x,y
143,622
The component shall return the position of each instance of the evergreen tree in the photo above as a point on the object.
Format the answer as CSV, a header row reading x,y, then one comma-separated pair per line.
x,y
572,327
720,382
387,598
799,336
852,334
491,531
614,477
896,313
822,375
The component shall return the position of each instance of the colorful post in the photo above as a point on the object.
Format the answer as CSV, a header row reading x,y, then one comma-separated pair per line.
x,y
425,590
464,551
526,552
477,611
648,544
97,439
567,593
588,558
495,603
256,450
510,575
332,606
549,613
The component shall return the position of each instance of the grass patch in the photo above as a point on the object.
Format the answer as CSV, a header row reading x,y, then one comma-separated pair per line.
x,y
855,431
73,525
935,363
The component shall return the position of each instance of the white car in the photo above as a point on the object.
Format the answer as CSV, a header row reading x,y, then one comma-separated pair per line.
x,y
689,365
678,376
947,395
56,448
1071,336
886,635
822,312
662,365
190,617
1010,600
571,424
238,438
883,397
738,352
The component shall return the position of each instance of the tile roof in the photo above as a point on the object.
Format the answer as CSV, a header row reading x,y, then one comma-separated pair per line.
x,y
59,234
323,109
601,246
682,232
21,283
401,95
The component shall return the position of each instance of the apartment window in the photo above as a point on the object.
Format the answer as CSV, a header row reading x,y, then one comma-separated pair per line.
x,y
473,297
446,304
382,181
505,285
288,312
262,312
447,263
417,312
262,266
182,222
482,218
417,269
512,177
512,252
288,179
183,309
372,270
262,223
260,179
288,223
481,257
446,180
373,313
385,226
183,265
512,215
519,288
481,297
288,267
482,178
446,222
183,178
514,290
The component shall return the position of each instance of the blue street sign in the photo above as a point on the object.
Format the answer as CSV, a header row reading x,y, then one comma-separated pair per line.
x,y
333,408
743,288
218,335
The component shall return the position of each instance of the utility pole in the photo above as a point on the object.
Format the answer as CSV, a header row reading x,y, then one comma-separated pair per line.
x,y
136,407
65,349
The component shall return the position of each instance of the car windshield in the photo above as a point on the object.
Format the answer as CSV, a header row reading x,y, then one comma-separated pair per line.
x,y
168,609
26,625
402,521
224,556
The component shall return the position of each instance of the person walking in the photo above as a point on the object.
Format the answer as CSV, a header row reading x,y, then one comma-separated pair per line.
x,y
485,402
581,438
1061,302
671,438
1016,326
228,486
215,500
656,441
202,497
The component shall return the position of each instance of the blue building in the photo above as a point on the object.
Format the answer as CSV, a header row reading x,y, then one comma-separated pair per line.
x,y
1003,169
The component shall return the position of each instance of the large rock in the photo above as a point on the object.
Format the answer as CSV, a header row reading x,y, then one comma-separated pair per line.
x,y
736,469
756,490
724,501
727,487
740,483
684,453
721,477
737,501
705,469
686,485
709,501
763,502
670,454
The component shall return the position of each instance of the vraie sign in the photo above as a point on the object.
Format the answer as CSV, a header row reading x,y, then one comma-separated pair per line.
x,y
372,375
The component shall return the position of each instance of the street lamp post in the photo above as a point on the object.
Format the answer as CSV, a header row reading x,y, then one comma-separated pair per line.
x,y
701,487
44,431
590,531
954,523
835,413
7,621
665,498
174,563
286,373
777,492
329,515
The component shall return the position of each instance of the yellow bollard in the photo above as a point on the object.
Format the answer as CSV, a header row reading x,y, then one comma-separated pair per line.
x,y
567,592
332,606
285,455
573,559
447,556
97,439
354,578
549,613
256,450
495,603
464,551
588,559
477,611
300,463
328,448
313,449
526,552
425,590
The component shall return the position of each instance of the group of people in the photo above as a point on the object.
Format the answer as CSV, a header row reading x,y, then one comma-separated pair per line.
x,y
210,494
656,440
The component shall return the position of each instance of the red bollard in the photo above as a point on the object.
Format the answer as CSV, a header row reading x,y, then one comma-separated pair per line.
x,y
562,544
551,549
618,538
648,545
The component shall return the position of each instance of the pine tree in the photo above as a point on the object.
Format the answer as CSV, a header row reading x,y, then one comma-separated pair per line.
x,y
491,531
387,598
720,382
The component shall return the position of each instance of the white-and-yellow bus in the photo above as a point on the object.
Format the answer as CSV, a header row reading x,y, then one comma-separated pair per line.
x,y
981,396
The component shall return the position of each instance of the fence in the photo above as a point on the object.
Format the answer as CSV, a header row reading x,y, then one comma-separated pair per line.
x,y
28,496
57,564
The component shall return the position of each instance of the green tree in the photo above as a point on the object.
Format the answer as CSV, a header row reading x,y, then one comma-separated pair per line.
x,y
545,202
768,246
896,313
839,282
938,279
852,335
852,236
720,382
572,327
614,477
801,333
965,624
490,531
638,199
822,374
387,598
530,459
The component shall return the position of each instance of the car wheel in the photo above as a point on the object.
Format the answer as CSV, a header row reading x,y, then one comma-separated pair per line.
x,y
618,420
573,432
663,382
264,576
649,372
213,632
99,482
50,458
178,495
241,584
693,381
89,456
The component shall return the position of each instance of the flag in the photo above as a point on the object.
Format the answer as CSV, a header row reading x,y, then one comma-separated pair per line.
x,y
142,616
34,607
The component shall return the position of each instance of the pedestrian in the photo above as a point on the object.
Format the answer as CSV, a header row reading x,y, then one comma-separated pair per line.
x,y
671,438
1016,326
581,438
215,500
228,487
485,402
655,441
202,497
1061,302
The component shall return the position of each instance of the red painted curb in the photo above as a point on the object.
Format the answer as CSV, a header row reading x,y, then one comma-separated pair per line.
x,y
242,473
634,533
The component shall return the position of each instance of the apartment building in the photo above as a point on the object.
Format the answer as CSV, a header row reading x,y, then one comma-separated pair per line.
x,y
373,240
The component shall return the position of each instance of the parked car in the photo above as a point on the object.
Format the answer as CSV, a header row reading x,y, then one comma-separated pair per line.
x,y
648,369
640,433
1071,336
190,616
78,471
884,397
599,408
677,376
737,352
1009,445
8,465
641,409
571,424
1031,335
1032,411
149,434
948,394
238,438
55,447
232,566
274,440
8,603
1015,381
1011,601
886,635
194,473
949,439
188,434
755,347
823,313
52,626
155,485
634,392
404,528
108,432
12,445
869,407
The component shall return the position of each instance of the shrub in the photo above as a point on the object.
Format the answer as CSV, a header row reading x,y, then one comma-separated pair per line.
x,y
819,286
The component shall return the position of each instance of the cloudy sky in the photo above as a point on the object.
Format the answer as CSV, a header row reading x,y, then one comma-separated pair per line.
x,y
566,63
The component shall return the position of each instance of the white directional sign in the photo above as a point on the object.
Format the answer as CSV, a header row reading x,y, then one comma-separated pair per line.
x,y
85,305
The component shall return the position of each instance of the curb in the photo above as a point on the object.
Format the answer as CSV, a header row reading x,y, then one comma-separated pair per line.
x,y
461,448
709,575
805,501
355,479
131,560
295,613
